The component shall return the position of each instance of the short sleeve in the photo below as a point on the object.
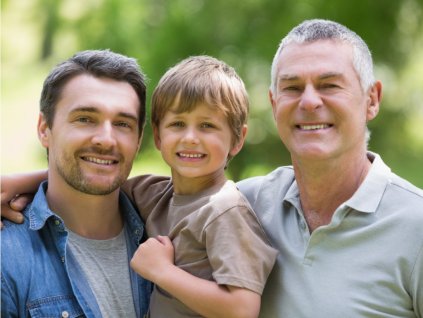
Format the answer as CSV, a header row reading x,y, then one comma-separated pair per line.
x,y
238,249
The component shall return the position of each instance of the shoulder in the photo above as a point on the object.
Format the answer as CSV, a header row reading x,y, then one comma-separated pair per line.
x,y
404,199
275,183
18,243
405,188
147,182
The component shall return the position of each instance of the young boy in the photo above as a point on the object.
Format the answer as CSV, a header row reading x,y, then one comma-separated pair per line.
x,y
207,253
221,254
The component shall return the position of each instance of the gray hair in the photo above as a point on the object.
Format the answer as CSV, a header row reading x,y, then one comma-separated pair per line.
x,y
317,29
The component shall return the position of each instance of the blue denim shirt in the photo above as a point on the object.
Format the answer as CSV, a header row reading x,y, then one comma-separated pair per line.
x,y
38,277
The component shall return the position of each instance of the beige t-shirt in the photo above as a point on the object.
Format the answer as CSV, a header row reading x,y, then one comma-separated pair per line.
x,y
216,236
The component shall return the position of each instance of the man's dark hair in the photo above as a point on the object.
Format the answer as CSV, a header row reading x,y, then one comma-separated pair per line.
x,y
98,63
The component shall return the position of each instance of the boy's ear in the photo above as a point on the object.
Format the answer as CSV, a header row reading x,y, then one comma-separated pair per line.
x,y
156,136
43,131
238,146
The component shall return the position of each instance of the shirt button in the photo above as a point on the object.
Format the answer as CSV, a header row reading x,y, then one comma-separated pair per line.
x,y
65,314
63,260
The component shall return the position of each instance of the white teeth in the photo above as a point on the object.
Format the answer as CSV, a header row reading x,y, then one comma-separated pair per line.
x,y
99,161
190,155
314,127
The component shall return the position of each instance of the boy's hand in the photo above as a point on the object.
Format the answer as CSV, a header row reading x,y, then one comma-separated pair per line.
x,y
153,258
12,210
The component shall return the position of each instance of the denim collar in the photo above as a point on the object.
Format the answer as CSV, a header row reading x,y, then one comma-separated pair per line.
x,y
39,212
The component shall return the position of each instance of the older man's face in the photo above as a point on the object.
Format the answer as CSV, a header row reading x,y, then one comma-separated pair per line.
x,y
319,106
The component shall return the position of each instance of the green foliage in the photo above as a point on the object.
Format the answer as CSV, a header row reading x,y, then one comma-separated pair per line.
x,y
245,34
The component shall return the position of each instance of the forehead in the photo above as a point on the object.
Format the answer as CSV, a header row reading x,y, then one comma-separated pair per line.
x,y
320,56
202,109
101,93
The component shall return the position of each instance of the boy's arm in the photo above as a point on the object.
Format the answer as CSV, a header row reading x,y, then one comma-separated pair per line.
x,y
13,188
154,261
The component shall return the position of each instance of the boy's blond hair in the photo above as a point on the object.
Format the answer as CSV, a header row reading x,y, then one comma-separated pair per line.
x,y
202,79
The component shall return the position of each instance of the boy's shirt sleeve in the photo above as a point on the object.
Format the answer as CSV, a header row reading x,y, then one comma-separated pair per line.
x,y
239,251
145,191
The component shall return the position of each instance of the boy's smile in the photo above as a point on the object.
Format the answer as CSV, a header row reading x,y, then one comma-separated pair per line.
x,y
195,145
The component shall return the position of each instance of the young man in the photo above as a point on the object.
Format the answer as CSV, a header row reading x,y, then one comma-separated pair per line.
x,y
220,257
71,256
348,230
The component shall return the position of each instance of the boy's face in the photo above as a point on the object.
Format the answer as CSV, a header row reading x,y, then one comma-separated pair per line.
x,y
94,137
196,144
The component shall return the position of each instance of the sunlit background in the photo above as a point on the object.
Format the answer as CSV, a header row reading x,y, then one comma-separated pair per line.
x,y
37,34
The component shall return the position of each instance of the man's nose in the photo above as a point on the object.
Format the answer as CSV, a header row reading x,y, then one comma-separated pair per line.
x,y
310,99
104,135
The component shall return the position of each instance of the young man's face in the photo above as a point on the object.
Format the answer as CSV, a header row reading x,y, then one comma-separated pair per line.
x,y
196,144
94,137
320,108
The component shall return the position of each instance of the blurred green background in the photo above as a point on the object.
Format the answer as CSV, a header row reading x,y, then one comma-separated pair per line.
x,y
37,34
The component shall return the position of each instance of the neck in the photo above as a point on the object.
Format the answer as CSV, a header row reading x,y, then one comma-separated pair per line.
x,y
90,216
324,186
193,185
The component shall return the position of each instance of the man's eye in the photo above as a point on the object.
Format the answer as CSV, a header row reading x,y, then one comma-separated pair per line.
x,y
123,124
83,120
329,86
290,88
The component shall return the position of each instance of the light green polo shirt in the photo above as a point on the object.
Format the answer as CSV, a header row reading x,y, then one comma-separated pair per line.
x,y
368,262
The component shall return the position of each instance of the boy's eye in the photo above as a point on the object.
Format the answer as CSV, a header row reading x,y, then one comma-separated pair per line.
x,y
207,125
177,124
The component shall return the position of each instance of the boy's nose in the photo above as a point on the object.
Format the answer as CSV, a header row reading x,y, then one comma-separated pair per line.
x,y
190,136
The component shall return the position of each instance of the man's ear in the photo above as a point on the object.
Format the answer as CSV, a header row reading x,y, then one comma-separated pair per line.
x,y
272,102
43,130
238,146
156,136
375,96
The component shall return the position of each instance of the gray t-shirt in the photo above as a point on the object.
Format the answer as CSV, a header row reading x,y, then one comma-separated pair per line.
x,y
106,267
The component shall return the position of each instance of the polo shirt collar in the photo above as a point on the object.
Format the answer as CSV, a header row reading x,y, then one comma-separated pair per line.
x,y
368,195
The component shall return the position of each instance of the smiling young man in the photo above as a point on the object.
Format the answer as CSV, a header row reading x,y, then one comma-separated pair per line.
x,y
348,230
71,257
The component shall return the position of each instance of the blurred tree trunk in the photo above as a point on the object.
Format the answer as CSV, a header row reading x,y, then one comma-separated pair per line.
x,y
51,21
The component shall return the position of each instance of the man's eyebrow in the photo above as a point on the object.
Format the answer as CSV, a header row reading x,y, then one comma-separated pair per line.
x,y
128,116
90,109
84,109
288,77
329,75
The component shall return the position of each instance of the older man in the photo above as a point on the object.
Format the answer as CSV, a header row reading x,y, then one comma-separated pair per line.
x,y
348,230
